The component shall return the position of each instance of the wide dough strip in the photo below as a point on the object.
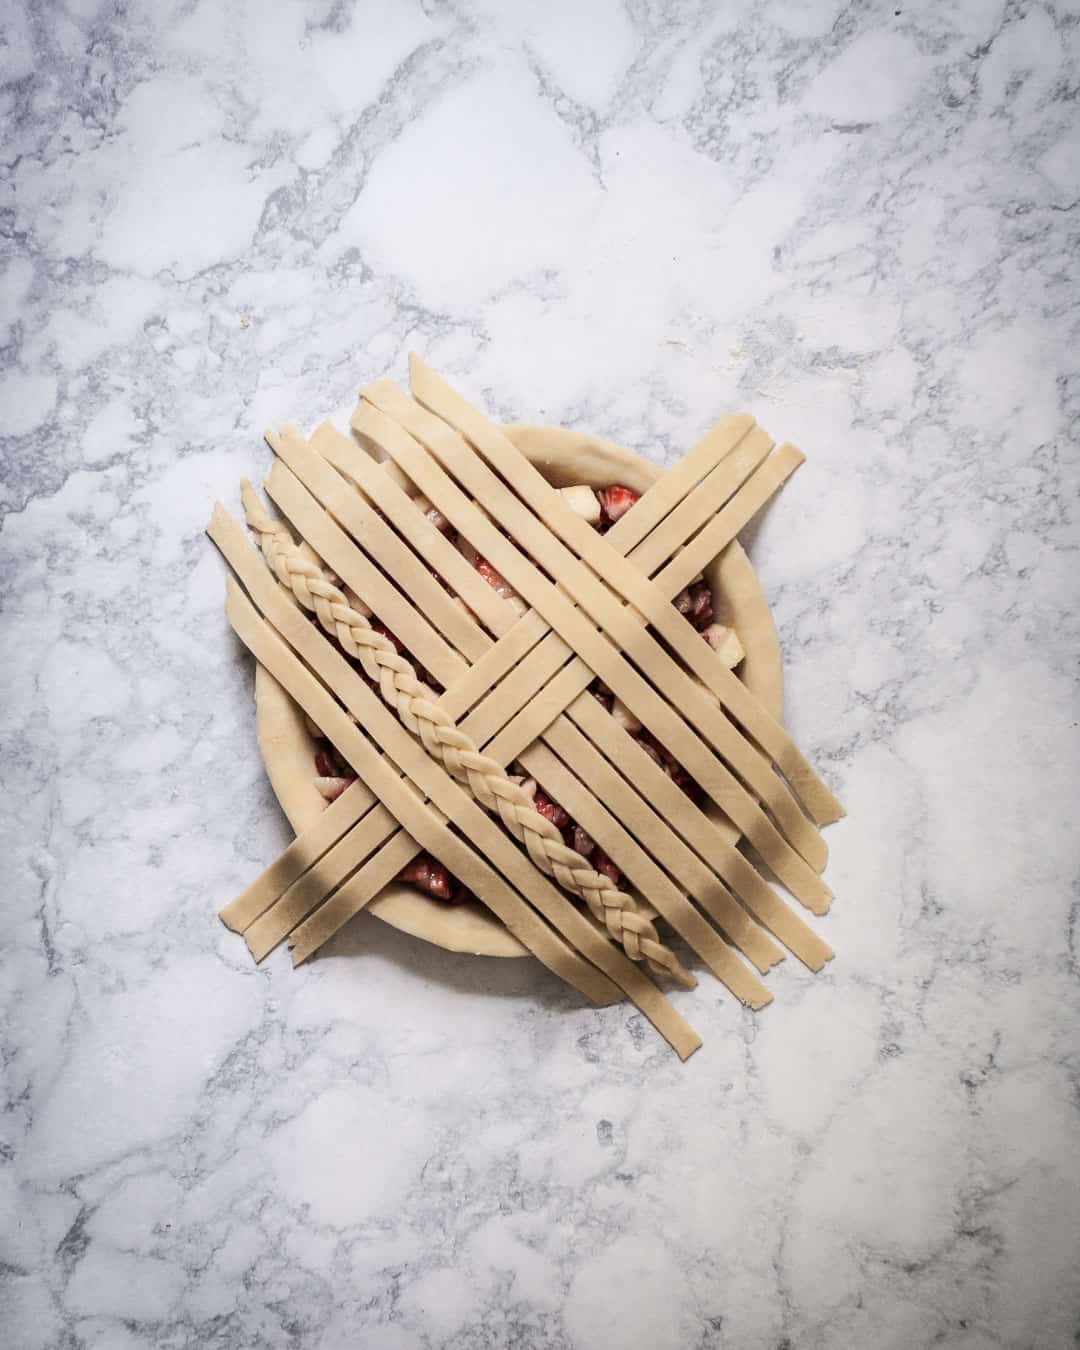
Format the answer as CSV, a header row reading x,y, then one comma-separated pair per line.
x,y
605,557
341,553
758,897
433,782
596,650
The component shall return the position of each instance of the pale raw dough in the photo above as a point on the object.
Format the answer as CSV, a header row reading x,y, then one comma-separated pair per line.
x,y
566,457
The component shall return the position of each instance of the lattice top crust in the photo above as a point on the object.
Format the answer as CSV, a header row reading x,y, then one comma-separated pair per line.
x,y
505,680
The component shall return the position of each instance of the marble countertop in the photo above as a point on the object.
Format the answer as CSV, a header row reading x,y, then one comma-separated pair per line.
x,y
859,224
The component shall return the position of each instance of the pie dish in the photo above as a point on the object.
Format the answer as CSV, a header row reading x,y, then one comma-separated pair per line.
x,y
565,458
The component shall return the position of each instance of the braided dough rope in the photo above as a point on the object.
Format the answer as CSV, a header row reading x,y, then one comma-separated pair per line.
x,y
418,709
404,798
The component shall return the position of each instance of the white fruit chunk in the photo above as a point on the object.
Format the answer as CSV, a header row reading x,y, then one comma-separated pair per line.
x,y
725,642
583,501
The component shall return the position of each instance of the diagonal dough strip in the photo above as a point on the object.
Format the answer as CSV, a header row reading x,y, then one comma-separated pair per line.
x,y
309,891
304,852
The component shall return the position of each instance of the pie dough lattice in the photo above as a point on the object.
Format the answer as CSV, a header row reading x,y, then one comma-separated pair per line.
x,y
432,764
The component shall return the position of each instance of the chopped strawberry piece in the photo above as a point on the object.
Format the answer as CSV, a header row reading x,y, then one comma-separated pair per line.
x,y
581,842
428,875
682,601
325,765
603,864
617,500
550,810
701,606
494,579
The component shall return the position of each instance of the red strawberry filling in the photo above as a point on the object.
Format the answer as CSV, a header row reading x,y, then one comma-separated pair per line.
x,y
494,579
615,501
333,775
429,875
550,810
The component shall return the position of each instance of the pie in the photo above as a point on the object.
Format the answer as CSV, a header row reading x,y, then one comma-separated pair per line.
x,y
498,699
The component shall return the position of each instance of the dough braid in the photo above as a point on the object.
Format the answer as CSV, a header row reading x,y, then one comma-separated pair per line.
x,y
488,781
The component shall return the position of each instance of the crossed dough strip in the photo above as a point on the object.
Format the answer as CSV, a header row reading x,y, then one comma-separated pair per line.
x,y
332,544
489,783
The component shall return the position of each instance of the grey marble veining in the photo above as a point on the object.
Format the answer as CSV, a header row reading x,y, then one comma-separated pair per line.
x,y
859,223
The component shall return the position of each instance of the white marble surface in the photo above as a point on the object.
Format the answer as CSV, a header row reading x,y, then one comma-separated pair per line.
x,y
859,224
